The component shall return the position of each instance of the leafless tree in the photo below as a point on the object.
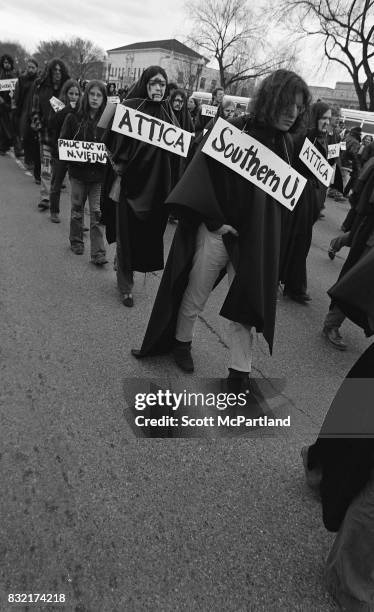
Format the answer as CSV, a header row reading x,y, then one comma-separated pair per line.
x,y
230,32
83,58
346,28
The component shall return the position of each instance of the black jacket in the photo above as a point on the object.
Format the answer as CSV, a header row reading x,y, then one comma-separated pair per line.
x,y
75,127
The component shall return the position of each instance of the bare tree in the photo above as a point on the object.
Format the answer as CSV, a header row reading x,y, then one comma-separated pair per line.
x,y
83,58
16,51
231,32
346,28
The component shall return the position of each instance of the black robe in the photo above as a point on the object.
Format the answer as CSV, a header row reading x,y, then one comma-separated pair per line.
x,y
346,461
211,193
145,185
301,221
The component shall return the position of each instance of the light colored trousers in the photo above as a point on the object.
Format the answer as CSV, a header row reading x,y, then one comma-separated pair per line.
x,y
209,259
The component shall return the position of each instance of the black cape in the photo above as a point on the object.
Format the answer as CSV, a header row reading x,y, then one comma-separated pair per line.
x,y
346,462
145,184
211,193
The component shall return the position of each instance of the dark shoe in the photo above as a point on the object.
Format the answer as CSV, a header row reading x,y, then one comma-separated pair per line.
x,y
237,381
100,260
340,198
333,336
332,251
301,298
86,229
55,218
78,249
128,300
313,477
182,356
37,181
321,216
43,205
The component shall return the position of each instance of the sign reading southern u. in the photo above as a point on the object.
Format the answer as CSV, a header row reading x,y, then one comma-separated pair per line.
x,y
8,84
208,111
316,162
255,162
133,123
80,151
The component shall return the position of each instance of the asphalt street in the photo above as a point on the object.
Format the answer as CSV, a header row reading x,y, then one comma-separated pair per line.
x,y
118,523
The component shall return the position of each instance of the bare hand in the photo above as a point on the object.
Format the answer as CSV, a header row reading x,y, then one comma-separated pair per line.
x,y
225,229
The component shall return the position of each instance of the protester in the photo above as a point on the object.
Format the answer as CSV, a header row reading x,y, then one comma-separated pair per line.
x,y
86,178
23,101
193,107
227,222
202,121
70,96
340,465
7,136
170,89
49,85
137,185
334,137
111,89
361,237
302,219
178,101
364,149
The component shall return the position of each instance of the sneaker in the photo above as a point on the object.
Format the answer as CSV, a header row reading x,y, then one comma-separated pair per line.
x,y
128,300
55,218
78,249
100,260
182,356
332,334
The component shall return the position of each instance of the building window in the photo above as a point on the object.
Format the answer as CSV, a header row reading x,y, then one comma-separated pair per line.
x,y
213,84
202,82
180,78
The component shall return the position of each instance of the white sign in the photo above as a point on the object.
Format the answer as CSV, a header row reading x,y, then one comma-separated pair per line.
x,y
208,111
333,150
316,162
8,84
113,99
133,123
343,145
56,104
80,151
255,162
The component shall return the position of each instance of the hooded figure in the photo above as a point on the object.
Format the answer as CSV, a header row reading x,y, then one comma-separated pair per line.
x,y
228,224
307,212
6,126
137,184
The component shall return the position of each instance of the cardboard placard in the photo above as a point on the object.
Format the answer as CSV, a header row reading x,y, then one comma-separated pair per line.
x,y
333,150
316,162
113,99
208,111
135,124
80,151
8,84
255,162
56,104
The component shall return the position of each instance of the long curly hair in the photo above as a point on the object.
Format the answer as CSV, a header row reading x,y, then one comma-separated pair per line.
x,y
316,111
276,93
46,77
10,60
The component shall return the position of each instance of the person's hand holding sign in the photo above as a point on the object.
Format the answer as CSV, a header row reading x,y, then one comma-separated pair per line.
x,y
226,229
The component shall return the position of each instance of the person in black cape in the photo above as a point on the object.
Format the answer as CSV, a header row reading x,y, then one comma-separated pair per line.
x,y
137,183
300,225
220,210
340,465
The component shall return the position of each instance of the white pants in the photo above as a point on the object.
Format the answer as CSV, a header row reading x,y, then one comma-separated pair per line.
x,y
209,259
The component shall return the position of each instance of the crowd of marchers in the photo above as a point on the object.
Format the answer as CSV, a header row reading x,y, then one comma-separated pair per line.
x,y
225,225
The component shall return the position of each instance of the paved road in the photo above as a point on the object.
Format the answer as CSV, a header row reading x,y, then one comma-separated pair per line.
x,y
121,524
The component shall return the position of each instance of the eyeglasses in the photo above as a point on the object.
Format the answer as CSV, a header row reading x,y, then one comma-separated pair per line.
x,y
154,82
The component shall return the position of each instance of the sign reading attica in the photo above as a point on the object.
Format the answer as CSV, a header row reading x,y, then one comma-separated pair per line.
x,y
316,162
8,84
255,162
134,124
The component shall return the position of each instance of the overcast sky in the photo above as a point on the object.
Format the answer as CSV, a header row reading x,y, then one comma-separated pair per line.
x,y
113,23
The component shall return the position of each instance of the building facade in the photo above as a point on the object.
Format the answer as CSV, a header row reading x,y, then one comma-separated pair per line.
x,y
343,95
184,66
